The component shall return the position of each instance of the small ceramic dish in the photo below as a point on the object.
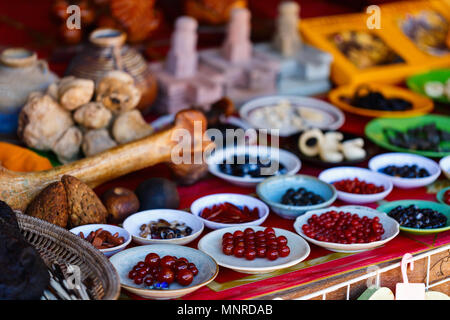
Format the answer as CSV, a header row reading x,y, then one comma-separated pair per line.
x,y
125,260
420,104
442,208
271,191
87,228
237,199
212,244
133,223
291,144
400,159
440,196
332,117
444,163
391,229
340,173
291,163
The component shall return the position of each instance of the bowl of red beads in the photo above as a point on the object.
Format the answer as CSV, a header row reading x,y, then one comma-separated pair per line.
x,y
254,249
347,228
164,271
357,185
223,210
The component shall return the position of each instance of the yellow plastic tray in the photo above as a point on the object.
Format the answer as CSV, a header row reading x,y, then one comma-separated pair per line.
x,y
318,30
421,105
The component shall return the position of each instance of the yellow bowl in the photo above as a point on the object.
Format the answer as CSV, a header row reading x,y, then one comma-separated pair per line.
x,y
421,105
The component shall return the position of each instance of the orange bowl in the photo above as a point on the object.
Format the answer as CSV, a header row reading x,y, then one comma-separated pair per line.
x,y
421,105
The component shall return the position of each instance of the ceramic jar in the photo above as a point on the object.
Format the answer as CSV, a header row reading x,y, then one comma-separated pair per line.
x,y
20,74
107,51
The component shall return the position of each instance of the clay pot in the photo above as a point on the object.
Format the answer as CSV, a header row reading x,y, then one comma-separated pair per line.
x,y
107,51
20,74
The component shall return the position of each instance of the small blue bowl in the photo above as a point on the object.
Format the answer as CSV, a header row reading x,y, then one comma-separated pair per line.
x,y
272,190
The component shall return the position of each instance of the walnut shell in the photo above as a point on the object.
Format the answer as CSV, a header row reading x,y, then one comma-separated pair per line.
x,y
51,205
84,205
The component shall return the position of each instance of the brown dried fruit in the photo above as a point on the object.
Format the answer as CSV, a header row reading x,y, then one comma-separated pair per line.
x,y
51,205
84,205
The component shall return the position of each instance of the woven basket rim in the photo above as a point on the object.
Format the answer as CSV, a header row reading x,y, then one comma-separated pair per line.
x,y
82,247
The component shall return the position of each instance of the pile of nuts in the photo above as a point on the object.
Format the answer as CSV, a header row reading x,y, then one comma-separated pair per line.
x,y
163,229
102,239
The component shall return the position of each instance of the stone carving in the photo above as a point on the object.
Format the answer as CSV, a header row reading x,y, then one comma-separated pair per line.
x,y
182,59
183,81
237,46
242,72
287,39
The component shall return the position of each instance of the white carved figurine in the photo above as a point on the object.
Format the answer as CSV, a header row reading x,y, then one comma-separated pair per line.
x,y
182,59
237,47
287,39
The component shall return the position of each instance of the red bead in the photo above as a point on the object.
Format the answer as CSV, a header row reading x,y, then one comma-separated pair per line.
x,y
166,275
238,252
269,230
148,281
152,259
238,233
261,252
193,268
185,277
228,249
284,251
272,254
167,261
250,254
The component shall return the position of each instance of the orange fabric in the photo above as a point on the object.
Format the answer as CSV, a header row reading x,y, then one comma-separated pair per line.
x,y
16,158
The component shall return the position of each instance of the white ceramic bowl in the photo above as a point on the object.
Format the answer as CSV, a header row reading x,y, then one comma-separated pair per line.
x,y
391,228
445,166
333,117
133,223
237,199
288,159
211,244
87,228
400,159
125,260
340,173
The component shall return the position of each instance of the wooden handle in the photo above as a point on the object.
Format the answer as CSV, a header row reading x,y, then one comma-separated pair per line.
x,y
19,188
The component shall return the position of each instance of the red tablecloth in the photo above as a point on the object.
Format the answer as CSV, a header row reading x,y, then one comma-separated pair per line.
x,y
26,23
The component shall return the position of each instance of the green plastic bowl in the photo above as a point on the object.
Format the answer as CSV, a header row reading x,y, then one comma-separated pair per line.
x,y
442,208
440,196
374,131
417,82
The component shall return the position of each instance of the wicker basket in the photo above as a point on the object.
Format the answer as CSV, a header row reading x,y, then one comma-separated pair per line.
x,y
56,244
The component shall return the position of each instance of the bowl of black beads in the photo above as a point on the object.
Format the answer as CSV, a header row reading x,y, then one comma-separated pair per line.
x,y
248,165
292,196
406,170
418,216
